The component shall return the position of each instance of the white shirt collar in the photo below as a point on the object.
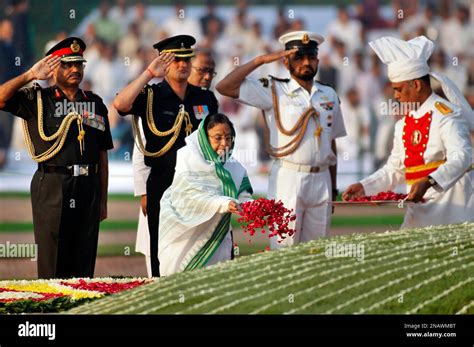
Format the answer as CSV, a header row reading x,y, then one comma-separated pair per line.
x,y
294,86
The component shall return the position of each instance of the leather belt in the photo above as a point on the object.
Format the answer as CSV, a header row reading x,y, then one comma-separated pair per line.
x,y
302,167
72,170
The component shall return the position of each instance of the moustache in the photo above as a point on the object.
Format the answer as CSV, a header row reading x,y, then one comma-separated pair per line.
x,y
75,74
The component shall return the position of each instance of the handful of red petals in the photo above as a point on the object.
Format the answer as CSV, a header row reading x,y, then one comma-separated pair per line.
x,y
262,213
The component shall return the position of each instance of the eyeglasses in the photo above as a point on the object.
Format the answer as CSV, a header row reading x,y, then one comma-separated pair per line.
x,y
204,71
219,138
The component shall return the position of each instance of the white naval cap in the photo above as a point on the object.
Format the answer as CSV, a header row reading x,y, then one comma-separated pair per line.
x,y
305,41
406,60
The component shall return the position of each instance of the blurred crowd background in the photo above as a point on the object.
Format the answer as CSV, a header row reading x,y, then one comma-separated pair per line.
x,y
120,34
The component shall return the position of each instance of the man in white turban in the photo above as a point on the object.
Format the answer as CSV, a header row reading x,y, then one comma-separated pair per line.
x,y
432,151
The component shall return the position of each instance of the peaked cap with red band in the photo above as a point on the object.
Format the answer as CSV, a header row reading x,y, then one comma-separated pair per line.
x,y
70,50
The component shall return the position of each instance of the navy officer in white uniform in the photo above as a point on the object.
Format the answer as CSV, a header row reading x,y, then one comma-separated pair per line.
x,y
303,120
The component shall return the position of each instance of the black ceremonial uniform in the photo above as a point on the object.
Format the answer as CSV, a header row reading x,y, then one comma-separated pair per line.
x,y
198,102
65,190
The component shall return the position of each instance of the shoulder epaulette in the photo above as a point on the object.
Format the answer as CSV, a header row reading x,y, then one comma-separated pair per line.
x,y
91,93
325,84
35,86
444,109
286,80
146,86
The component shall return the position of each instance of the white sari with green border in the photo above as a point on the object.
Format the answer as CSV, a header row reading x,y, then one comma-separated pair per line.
x,y
193,217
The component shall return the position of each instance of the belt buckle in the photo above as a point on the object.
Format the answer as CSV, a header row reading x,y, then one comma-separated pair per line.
x,y
314,169
81,170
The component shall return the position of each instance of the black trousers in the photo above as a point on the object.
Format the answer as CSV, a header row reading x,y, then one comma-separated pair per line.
x,y
158,181
66,212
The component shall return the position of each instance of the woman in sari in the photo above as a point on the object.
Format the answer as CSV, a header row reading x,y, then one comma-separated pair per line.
x,y
195,210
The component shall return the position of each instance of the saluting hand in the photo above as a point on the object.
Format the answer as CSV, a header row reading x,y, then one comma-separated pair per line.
x,y
45,68
271,57
160,65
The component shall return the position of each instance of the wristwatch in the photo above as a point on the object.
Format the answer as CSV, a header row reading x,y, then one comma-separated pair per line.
x,y
431,181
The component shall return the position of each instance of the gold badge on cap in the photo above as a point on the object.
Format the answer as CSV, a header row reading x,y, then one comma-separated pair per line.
x,y
75,47
305,39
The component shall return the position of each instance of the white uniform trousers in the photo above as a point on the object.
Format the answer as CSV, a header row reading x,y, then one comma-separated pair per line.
x,y
307,194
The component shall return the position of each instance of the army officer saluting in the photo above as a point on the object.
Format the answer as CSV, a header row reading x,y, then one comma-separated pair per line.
x,y
169,111
70,143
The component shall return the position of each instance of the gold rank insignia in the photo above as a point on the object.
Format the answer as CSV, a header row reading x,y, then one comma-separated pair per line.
x,y
443,108
305,39
75,47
